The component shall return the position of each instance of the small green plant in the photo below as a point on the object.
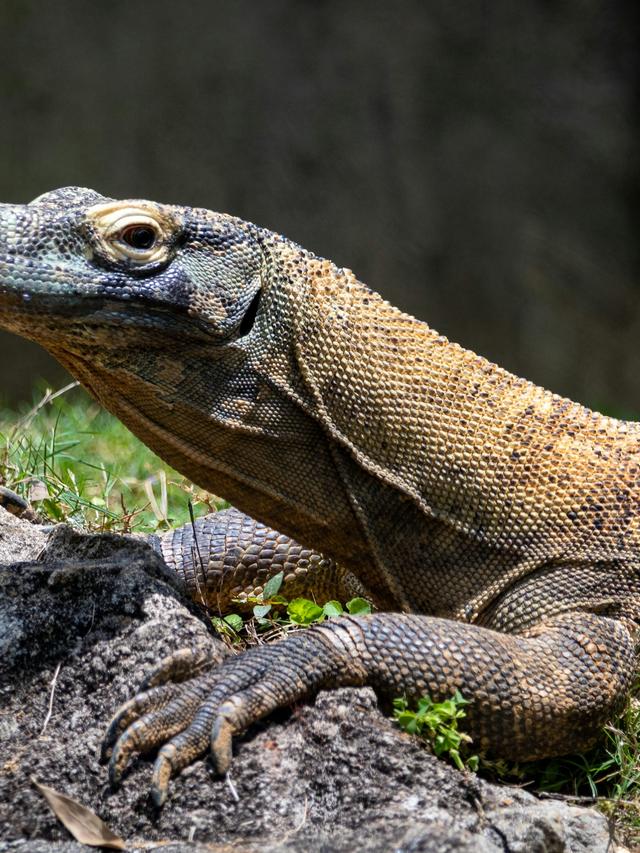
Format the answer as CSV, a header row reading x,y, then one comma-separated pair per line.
x,y
437,722
300,611
229,627
273,610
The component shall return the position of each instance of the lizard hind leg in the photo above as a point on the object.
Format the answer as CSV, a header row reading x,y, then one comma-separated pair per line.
x,y
224,559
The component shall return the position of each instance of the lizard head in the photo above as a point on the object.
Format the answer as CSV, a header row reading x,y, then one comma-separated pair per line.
x,y
190,327
78,269
155,308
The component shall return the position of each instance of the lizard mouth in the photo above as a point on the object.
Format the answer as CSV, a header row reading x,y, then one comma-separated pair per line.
x,y
60,304
33,313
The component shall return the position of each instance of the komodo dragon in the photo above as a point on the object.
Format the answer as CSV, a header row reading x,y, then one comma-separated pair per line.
x,y
493,524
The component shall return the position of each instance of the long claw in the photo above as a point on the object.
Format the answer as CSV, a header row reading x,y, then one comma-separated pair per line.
x,y
222,743
124,747
174,756
166,720
162,772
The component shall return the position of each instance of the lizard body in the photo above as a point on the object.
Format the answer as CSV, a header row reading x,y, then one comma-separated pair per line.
x,y
498,520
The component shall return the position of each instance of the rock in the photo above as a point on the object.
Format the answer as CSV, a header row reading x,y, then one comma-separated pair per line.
x,y
82,622
19,540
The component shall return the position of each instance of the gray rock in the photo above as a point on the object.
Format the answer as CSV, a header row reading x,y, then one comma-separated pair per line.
x,y
336,775
19,540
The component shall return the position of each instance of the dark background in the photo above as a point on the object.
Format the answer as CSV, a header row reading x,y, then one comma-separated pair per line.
x,y
476,162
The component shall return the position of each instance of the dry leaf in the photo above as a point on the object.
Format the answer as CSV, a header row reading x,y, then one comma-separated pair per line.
x,y
85,826
38,491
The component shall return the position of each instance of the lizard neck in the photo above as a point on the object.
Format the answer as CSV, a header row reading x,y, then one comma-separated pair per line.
x,y
494,458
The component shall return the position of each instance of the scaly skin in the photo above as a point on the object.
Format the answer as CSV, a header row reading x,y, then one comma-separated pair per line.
x,y
231,556
498,520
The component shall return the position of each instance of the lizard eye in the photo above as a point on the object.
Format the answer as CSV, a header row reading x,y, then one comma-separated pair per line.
x,y
141,237
139,234
137,238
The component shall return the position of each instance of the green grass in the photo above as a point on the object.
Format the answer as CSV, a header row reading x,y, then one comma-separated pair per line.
x,y
78,464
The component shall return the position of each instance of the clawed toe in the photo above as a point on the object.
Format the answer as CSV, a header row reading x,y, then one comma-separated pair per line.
x,y
154,699
222,734
213,728
149,720
174,756
185,664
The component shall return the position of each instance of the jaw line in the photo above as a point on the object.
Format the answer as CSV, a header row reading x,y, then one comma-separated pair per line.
x,y
109,312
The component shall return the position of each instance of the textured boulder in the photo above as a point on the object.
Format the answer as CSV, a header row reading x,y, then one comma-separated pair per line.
x,y
82,618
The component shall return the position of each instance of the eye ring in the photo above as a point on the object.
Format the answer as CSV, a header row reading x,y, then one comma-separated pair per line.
x,y
141,236
137,233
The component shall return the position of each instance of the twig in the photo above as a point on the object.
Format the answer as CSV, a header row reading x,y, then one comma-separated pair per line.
x,y
584,798
296,829
232,788
48,397
53,687
572,798
195,551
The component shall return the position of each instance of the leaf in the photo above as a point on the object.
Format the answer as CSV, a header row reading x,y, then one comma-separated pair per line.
x,y
408,722
234,621
261,610
358,606
425,703
85,826
272,586
473,762
302,611
333,608
459,699
447,709
38,491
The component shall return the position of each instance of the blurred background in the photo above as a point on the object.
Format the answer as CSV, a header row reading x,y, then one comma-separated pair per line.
x,y
476,162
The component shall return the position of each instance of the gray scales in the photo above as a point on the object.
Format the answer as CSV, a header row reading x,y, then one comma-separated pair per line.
x,y
493,524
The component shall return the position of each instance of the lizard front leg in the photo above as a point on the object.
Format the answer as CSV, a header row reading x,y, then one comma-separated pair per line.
x,y
546,691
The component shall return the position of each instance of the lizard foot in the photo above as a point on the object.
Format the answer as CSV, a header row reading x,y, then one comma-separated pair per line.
x,y
206,711
398,654
157,692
